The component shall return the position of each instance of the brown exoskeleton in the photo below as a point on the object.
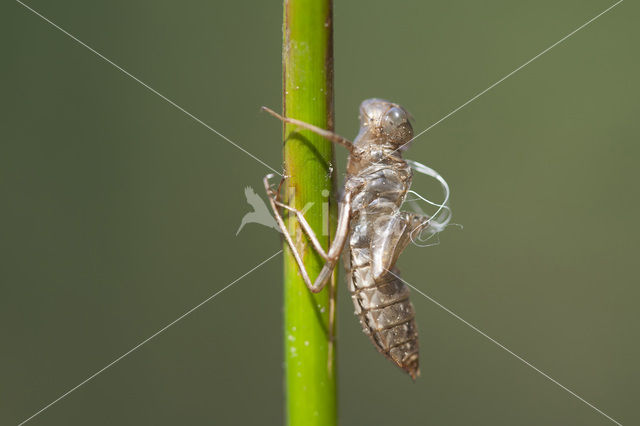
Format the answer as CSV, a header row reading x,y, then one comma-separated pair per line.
x,y
377,231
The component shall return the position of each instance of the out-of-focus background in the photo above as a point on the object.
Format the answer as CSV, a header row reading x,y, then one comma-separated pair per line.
x,y
119,212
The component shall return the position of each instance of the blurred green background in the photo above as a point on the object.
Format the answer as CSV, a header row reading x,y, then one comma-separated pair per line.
x,y
119,212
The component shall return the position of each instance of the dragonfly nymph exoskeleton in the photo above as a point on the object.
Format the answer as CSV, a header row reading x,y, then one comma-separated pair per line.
x,y
372,227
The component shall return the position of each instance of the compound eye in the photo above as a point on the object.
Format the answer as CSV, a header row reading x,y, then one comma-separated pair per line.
x,y
395,117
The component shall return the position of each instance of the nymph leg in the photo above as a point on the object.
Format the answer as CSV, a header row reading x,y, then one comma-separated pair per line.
x,y
331,256
333,137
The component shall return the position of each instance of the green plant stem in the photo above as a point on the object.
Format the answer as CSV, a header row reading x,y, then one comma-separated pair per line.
x,y
310,366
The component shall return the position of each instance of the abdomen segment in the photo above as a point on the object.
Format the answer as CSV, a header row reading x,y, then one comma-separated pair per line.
x,y
385,312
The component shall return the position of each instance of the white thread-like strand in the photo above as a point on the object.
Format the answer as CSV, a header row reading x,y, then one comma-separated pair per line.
x,y
446,210
436,223
426,200
435,226
91,377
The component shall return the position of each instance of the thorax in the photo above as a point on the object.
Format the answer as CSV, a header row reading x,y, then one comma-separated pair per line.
x,y
378,179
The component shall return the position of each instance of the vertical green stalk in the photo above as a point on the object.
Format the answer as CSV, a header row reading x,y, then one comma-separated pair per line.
x,y
310,366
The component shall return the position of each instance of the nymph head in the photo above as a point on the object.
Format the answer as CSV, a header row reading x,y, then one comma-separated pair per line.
x,y
386,120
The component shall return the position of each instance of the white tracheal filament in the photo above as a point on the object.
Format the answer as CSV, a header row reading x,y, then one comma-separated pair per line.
x,y
441,218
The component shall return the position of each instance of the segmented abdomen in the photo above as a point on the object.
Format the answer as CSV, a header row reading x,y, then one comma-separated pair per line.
x,y
385,311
